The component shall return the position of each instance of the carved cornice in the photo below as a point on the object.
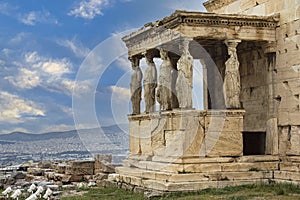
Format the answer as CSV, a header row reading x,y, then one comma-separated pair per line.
x,y
202,18
213,5
219,19
168,29
229,21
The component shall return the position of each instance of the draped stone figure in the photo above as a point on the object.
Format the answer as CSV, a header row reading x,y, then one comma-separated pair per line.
x,y
164,91
150,84
184,83
232,83
174,73
136,86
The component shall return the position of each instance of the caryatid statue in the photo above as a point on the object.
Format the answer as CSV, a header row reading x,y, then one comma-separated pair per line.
x,y
184,83
136,86
164,91
150,83
232,83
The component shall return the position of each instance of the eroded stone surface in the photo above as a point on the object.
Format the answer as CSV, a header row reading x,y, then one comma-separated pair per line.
x,y
179,150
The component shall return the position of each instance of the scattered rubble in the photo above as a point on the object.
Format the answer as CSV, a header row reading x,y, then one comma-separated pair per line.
x,y
54,179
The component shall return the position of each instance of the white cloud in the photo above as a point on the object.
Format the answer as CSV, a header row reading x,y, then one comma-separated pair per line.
x,y
32,57
48,73
75,46
26,79
120,91
55,67
81,87
15,109
124,63
89,9
19,38
29,19
34,17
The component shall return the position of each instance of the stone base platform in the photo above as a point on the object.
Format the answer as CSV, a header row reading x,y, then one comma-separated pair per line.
x,y
289,170
195,173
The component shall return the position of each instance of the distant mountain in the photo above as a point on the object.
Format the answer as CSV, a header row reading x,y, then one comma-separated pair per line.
x,y
6,142
109,131
26,137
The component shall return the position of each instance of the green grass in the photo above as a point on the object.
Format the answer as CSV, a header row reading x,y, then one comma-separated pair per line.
x,y
107,193
273,191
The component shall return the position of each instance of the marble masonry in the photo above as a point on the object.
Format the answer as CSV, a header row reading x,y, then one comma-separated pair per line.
x,y
249,129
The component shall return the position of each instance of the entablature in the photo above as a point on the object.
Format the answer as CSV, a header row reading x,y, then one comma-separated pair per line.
x,y
201,27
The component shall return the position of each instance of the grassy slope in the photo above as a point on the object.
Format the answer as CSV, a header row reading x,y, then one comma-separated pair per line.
x,y
276,192
280,191
107,193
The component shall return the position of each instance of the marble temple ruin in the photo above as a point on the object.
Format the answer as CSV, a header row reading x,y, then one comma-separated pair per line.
x,y
249,129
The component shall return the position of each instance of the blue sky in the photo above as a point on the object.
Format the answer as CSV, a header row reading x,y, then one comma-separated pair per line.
x,y
42,47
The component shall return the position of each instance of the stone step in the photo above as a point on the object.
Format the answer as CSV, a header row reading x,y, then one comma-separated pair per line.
x,y
194,186
286,175
199,168
193,177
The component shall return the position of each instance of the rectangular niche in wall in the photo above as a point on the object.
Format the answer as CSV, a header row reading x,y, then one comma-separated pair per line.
x,y
254,143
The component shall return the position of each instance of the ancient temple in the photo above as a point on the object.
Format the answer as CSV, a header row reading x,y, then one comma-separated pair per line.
x,y
249,129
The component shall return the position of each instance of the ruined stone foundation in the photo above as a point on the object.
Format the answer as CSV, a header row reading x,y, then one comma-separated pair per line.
x,y
190,150
193,150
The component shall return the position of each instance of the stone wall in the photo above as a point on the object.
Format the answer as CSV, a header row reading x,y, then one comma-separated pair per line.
x,y
289,9
289,170
254,82
283,79
189,133
253,71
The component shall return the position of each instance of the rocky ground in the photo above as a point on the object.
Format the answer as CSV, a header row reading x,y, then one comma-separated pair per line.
x,y
61,179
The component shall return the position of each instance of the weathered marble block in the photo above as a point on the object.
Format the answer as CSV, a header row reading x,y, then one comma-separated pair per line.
x,y
187,133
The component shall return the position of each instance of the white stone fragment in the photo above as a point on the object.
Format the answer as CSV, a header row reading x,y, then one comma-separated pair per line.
x,y
16,194
32,188
48,193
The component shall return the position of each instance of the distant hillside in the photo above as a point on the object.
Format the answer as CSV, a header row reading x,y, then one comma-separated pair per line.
x,y
110,131
20,136
6,142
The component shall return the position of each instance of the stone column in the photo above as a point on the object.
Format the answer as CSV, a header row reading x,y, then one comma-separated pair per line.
x,y
205,87
174,73
164,91
150,83
184,83
136,85
232,83
272,137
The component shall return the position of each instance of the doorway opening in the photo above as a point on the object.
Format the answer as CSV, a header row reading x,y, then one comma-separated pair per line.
x,y
254,143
